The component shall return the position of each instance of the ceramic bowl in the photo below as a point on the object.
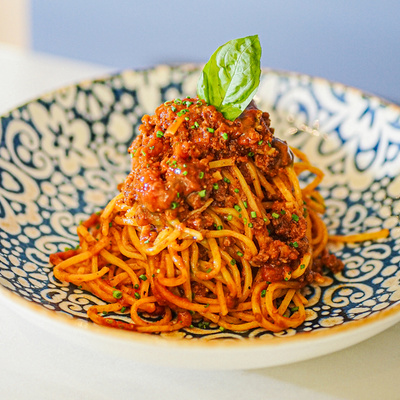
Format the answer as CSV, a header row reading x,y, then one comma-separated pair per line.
x,y
63,154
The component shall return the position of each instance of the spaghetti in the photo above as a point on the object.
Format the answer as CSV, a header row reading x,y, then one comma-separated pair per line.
x,y
211,225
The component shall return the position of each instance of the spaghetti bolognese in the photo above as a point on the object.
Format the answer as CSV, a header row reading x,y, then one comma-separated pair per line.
x,y
210,225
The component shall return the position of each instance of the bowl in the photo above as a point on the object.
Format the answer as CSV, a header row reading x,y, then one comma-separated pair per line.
x,y
62,156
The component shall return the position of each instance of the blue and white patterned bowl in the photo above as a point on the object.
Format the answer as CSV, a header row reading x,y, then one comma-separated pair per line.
x,y
62,156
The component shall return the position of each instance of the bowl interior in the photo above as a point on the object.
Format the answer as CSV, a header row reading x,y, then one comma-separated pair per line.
x,y
63,155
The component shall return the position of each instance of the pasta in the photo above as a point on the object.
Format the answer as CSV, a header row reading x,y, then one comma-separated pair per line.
x,y
210,226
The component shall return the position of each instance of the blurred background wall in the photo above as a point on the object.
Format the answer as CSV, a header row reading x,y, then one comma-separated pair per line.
x,y
354,42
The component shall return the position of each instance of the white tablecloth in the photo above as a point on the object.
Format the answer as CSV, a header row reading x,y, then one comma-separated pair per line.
x,y
36,364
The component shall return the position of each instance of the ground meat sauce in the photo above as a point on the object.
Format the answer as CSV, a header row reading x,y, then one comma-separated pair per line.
x,y
165,165
171,176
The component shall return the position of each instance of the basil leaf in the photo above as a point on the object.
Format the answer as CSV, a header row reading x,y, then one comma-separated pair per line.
x,y
231,77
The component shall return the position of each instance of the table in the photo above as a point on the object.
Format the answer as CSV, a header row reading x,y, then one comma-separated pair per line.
x,y
35,364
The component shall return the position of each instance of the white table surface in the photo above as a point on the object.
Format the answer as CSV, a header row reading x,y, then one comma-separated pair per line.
x,y
36,364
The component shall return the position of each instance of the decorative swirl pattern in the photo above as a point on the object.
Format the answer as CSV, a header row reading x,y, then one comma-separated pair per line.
x,y
62,156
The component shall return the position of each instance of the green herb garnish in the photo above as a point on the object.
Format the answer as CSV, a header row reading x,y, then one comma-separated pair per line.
x,y
231,77
117,294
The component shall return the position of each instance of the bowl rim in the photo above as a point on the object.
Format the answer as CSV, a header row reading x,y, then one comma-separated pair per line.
x,y
196,66
390,316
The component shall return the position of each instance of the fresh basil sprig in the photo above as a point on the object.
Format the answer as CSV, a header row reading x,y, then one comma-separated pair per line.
x,y
231,77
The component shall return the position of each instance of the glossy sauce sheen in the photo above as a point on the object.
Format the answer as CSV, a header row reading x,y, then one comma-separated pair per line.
x,y
171,176
174,168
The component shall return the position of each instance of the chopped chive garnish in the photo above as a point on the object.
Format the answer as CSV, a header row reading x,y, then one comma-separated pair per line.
x,y
216,186
269,144
237,208
295,244
178,195
159,134
283,212
245,204
151,147
201,175
173,108
184,173
265,219
221,328
225,136
233,261
253,214
143,277
227,180
147,241
178,101
239,253
250,225
143,152
202,193
117,294
207,305
260,142
211,130
110,224
229,217
209,270
220,227
187,118
123,309
294,309
275,215
250,154
137,295
295,217
302,266
263,293
184,111
236,190
174,205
